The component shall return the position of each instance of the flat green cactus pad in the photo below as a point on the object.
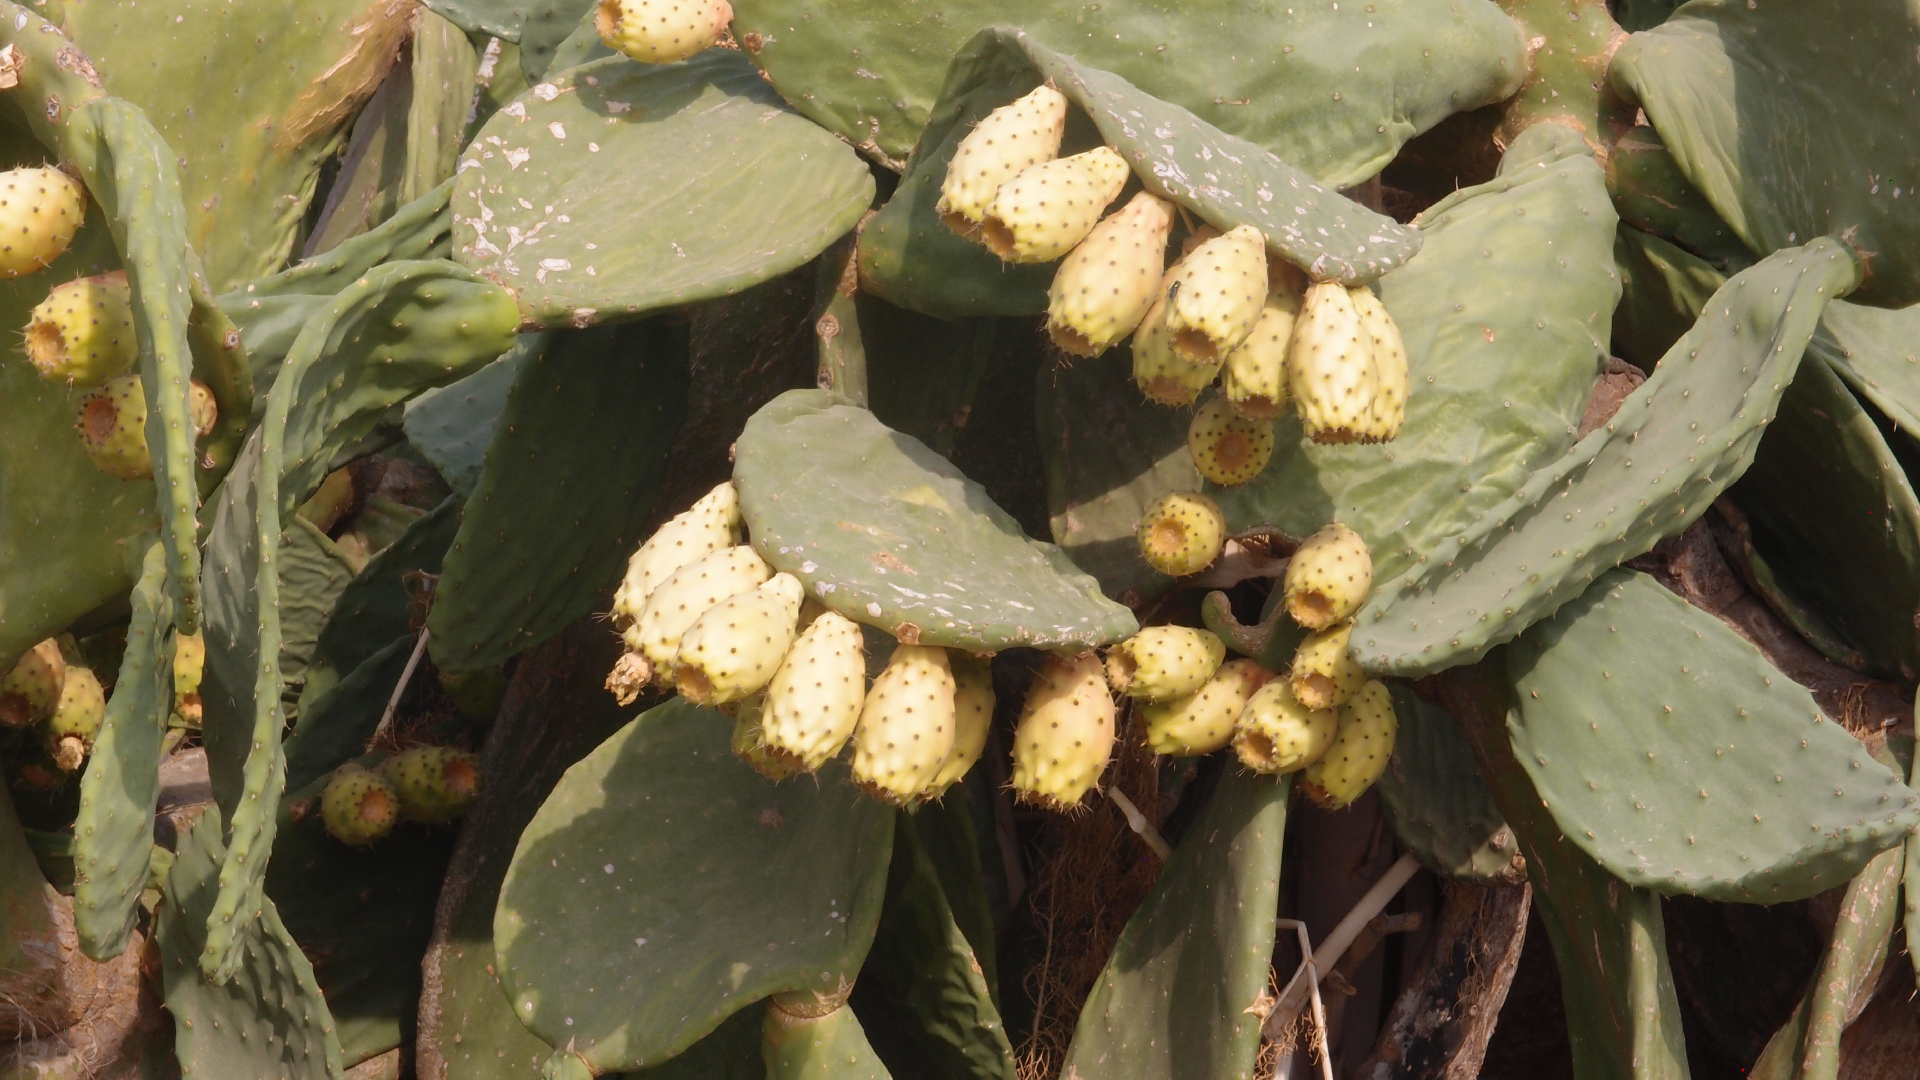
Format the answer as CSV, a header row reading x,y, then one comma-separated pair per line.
x,y
1877,352
1435,799
886,532
665,886
542,201
452,425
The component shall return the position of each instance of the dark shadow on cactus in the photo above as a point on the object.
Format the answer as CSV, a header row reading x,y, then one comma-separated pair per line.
x,y
1740,970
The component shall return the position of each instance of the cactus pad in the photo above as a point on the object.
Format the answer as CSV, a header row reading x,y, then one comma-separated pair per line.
x,y
1435,799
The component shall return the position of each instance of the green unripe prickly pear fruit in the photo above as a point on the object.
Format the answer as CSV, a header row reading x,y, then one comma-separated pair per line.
x,y
113,429
1390,367
814,699
735,648
1010,140
1330,368
434,784
476,695
1226,447
972,718
1323,675
76,718
40,210
357,806
31,690
1276,734
1161,663
1202,721
82,333
710,525
906,725
1106,285
749,741
1181,533
1361,749
1160,374
1046,210
688,594
1066,731
1328,577
661,31
1221,287
1255,376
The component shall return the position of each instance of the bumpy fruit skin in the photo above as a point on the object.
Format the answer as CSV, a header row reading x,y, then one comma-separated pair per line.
x,y
972,718
710,525
358,807
1226,447
1323,675
1011,139
1255,377
906,727
476,695
189,664
1328,577
1065,734
1276,734
1181,533
113,429
1106,285
1160,374
1330,368
749,742
434,784
82,333
76,718
202,408
814,699
686,595
1202,722
1361,749
1222,287
1046,210
661,31
735,648
1161,663
31,690
40,210
1390,367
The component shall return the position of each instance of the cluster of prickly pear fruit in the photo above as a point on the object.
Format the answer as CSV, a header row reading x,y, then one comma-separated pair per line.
x,y
431,785
60,695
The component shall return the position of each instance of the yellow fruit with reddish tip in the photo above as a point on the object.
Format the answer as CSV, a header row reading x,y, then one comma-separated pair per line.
x,y
1045,211
1181,533
1277,734
1226,447
1328,577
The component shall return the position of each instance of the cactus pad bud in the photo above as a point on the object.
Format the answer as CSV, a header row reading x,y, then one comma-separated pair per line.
x,y
1328,577
1046,210
972,718
40,210
357,806
434,784
1222,286
1255,376
113,429
82,333
1066,731
1181,533
710,525
1276,734
906,725
1161,663
1361,748
76,718
814,699
735,648
1106,285
1010,140
1330,368
1203,721
31,690
1390,367
661,31
688,594
1226,447
1323,675
1160,374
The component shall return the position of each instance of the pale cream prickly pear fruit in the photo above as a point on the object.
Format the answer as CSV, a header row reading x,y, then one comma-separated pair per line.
x,y
1106,285
1226,447
1181,533
1323,675
972,718
1328,577
736,646
906,727
749,742
1255,376
661,31
1161,663
1330,368
1390,367
1066,731
40,210
1276,734
1361,749
1222,288
357,806
1011,139
686,595
31,690
1161,375
82,333
707,526
814,699
76,718
1202,721
113,429
1046,210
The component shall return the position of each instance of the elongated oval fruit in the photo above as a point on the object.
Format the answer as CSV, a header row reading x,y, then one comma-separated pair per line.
x,y
40,210
1161,663
1361,748
1106,285
661,31
1323,675
1162,376
736,646
1181,533
1046,210
1066,731
82,333
1276,734
972,718
1328,577
357,806
1010,140
686,595
749,743
189,664
31,690
707,526
906,725
1255,376
1226,447
1330,368
434,784
814,699
1223,285
113,429
76,718
1390,367
1202,721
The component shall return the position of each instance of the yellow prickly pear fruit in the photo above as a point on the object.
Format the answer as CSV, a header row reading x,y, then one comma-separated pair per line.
x,y
357,806
814,699
1161,663
749,741
82,333
1181,533
686,595
1012,139
906,725
1255,376
1330,368
735,648
434,784
1276,734
661,31
202,409
1065,734
1202,722
1361,749
1106,285
972,718
1226,447
76,718
31,690
40,210
1161,375
1390,367
1328,577
707,526
113,429
1046,210
189,664
1222,287
1323,675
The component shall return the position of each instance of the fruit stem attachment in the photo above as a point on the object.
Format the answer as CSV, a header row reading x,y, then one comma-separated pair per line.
x,y
400,688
